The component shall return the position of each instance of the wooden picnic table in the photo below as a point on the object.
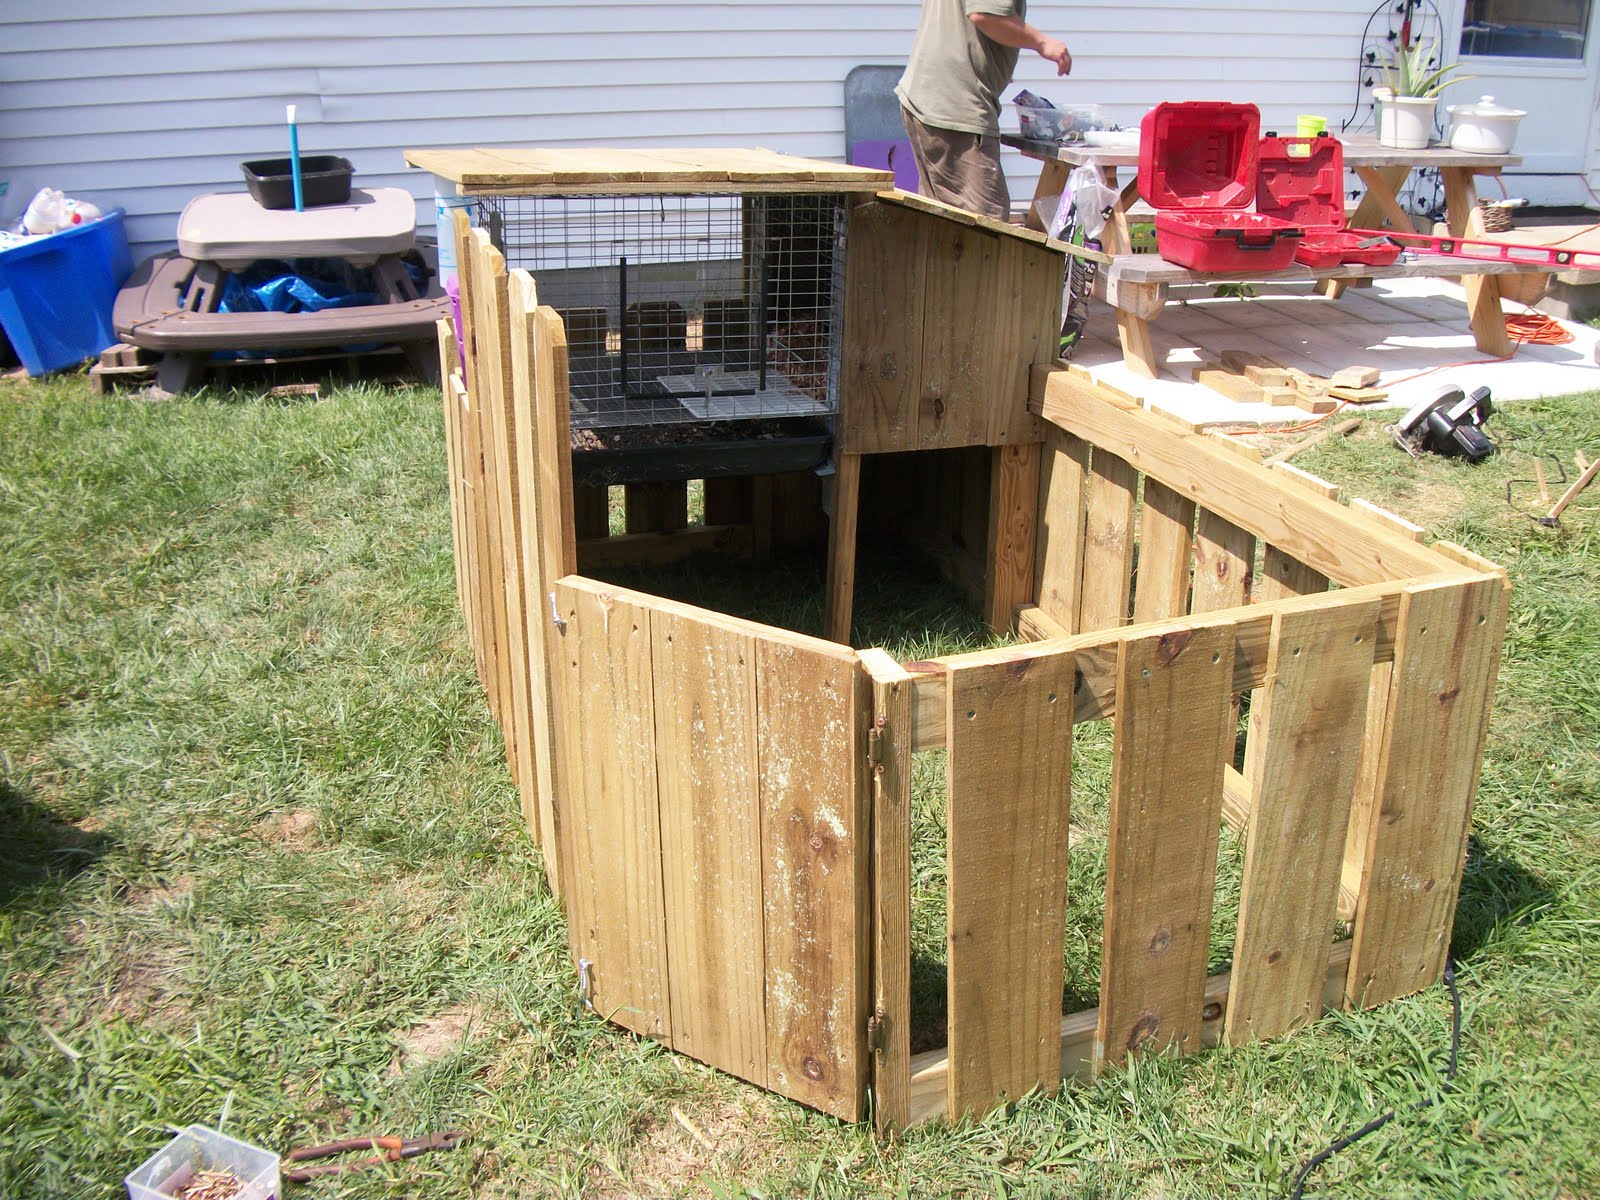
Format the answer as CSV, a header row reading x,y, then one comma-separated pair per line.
x,y
1136,284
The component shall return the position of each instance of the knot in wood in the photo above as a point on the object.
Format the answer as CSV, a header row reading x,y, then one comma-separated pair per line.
x,y
1170,645
1143,1030
811,1068
1159,943
888,368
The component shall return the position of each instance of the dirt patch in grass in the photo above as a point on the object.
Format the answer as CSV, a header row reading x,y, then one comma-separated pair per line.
x,y
291,830
680,1150
436,1037
144,991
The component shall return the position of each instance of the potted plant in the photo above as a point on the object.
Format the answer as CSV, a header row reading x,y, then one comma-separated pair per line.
x,y
1409,95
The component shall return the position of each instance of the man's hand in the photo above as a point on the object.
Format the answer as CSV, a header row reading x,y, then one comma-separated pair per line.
x,y
1057,53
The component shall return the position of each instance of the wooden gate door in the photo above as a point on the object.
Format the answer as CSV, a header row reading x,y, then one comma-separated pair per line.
x,y
713,826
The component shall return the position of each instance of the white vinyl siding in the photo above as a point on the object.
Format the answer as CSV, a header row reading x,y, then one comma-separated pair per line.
x,y
148,104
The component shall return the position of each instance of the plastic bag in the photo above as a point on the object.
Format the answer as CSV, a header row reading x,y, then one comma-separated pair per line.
x,y
1080,218
50,212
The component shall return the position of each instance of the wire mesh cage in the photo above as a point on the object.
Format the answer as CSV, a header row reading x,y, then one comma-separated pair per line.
x,y
686,308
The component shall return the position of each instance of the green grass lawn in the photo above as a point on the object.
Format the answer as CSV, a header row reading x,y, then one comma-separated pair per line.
x,y
261,861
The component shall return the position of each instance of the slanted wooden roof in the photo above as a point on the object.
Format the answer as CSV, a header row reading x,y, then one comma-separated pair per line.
x,y
530,171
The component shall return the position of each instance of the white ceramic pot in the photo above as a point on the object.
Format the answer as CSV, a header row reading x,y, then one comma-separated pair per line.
x,y
1484,127
1404,122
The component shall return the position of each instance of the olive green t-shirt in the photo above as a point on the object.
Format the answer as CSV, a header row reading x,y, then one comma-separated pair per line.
x,y
955,75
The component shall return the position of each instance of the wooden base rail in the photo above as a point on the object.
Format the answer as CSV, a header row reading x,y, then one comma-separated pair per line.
x,y
930,1071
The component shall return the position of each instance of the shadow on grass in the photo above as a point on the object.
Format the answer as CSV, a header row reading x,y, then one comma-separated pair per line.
x,y
1492,889
39,851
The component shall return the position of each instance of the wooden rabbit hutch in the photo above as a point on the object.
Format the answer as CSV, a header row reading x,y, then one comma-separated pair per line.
x,y
725,806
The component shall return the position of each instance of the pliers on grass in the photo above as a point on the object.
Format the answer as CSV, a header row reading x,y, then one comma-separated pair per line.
x,y
389,1149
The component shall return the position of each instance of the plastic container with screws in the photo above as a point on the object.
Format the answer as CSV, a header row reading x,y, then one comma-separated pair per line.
x,y
174,1168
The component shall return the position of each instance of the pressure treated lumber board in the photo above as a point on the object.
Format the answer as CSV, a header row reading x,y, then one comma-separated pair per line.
x,y
960,298
1173,737
537,170
1028,331
1013,525
811,705
537,509
449,366
472,526
1224,556
881,373
1166,529
1108,542
494,382
1059,551
498,645
611,837
556,525
1009,778
890,764
705,714
841,578
1313,709
1320,533
1447,655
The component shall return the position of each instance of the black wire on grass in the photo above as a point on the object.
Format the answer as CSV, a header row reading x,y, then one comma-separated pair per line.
x,y
1378,1123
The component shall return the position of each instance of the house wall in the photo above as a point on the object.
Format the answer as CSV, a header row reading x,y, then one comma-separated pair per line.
x,y
146,104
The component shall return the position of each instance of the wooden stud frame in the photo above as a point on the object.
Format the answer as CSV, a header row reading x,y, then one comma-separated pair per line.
x,y
725,806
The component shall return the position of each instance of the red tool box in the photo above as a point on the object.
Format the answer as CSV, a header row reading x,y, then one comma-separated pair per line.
x,y
1301,180
1198,169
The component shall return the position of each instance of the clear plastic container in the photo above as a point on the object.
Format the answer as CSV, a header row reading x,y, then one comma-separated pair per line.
x,y
167,1172
1058,124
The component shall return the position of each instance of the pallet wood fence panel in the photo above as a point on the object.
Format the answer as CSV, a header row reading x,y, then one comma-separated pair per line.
x,y
1447,655
889,761
1009,777
1172,740
1064,472
1316,531
472,520
611,850
1108,542
1166,554
1314,707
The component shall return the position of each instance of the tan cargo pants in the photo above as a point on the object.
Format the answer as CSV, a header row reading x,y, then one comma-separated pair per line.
x,y
958,168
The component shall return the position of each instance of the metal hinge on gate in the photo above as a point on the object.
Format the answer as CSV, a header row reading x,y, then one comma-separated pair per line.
x,y
874,741
877,1028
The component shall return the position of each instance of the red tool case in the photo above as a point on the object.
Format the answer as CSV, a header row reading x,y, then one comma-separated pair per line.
x,y
1197,169
1202,163
1301,180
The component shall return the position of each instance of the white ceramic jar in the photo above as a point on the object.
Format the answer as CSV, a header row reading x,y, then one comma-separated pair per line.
x,y
1484,127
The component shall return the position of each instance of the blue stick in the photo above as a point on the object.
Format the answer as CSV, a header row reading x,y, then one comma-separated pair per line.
x,y
294,162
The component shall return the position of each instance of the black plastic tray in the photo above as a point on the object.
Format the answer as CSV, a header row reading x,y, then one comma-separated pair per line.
x,y
324,179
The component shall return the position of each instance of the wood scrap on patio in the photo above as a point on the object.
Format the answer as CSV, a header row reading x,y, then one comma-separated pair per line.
x,y
1257,379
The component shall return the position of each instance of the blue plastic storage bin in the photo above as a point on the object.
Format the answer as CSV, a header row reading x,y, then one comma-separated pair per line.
x,y
56,293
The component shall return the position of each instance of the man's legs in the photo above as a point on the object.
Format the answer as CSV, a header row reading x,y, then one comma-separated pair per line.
x,y
962,169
